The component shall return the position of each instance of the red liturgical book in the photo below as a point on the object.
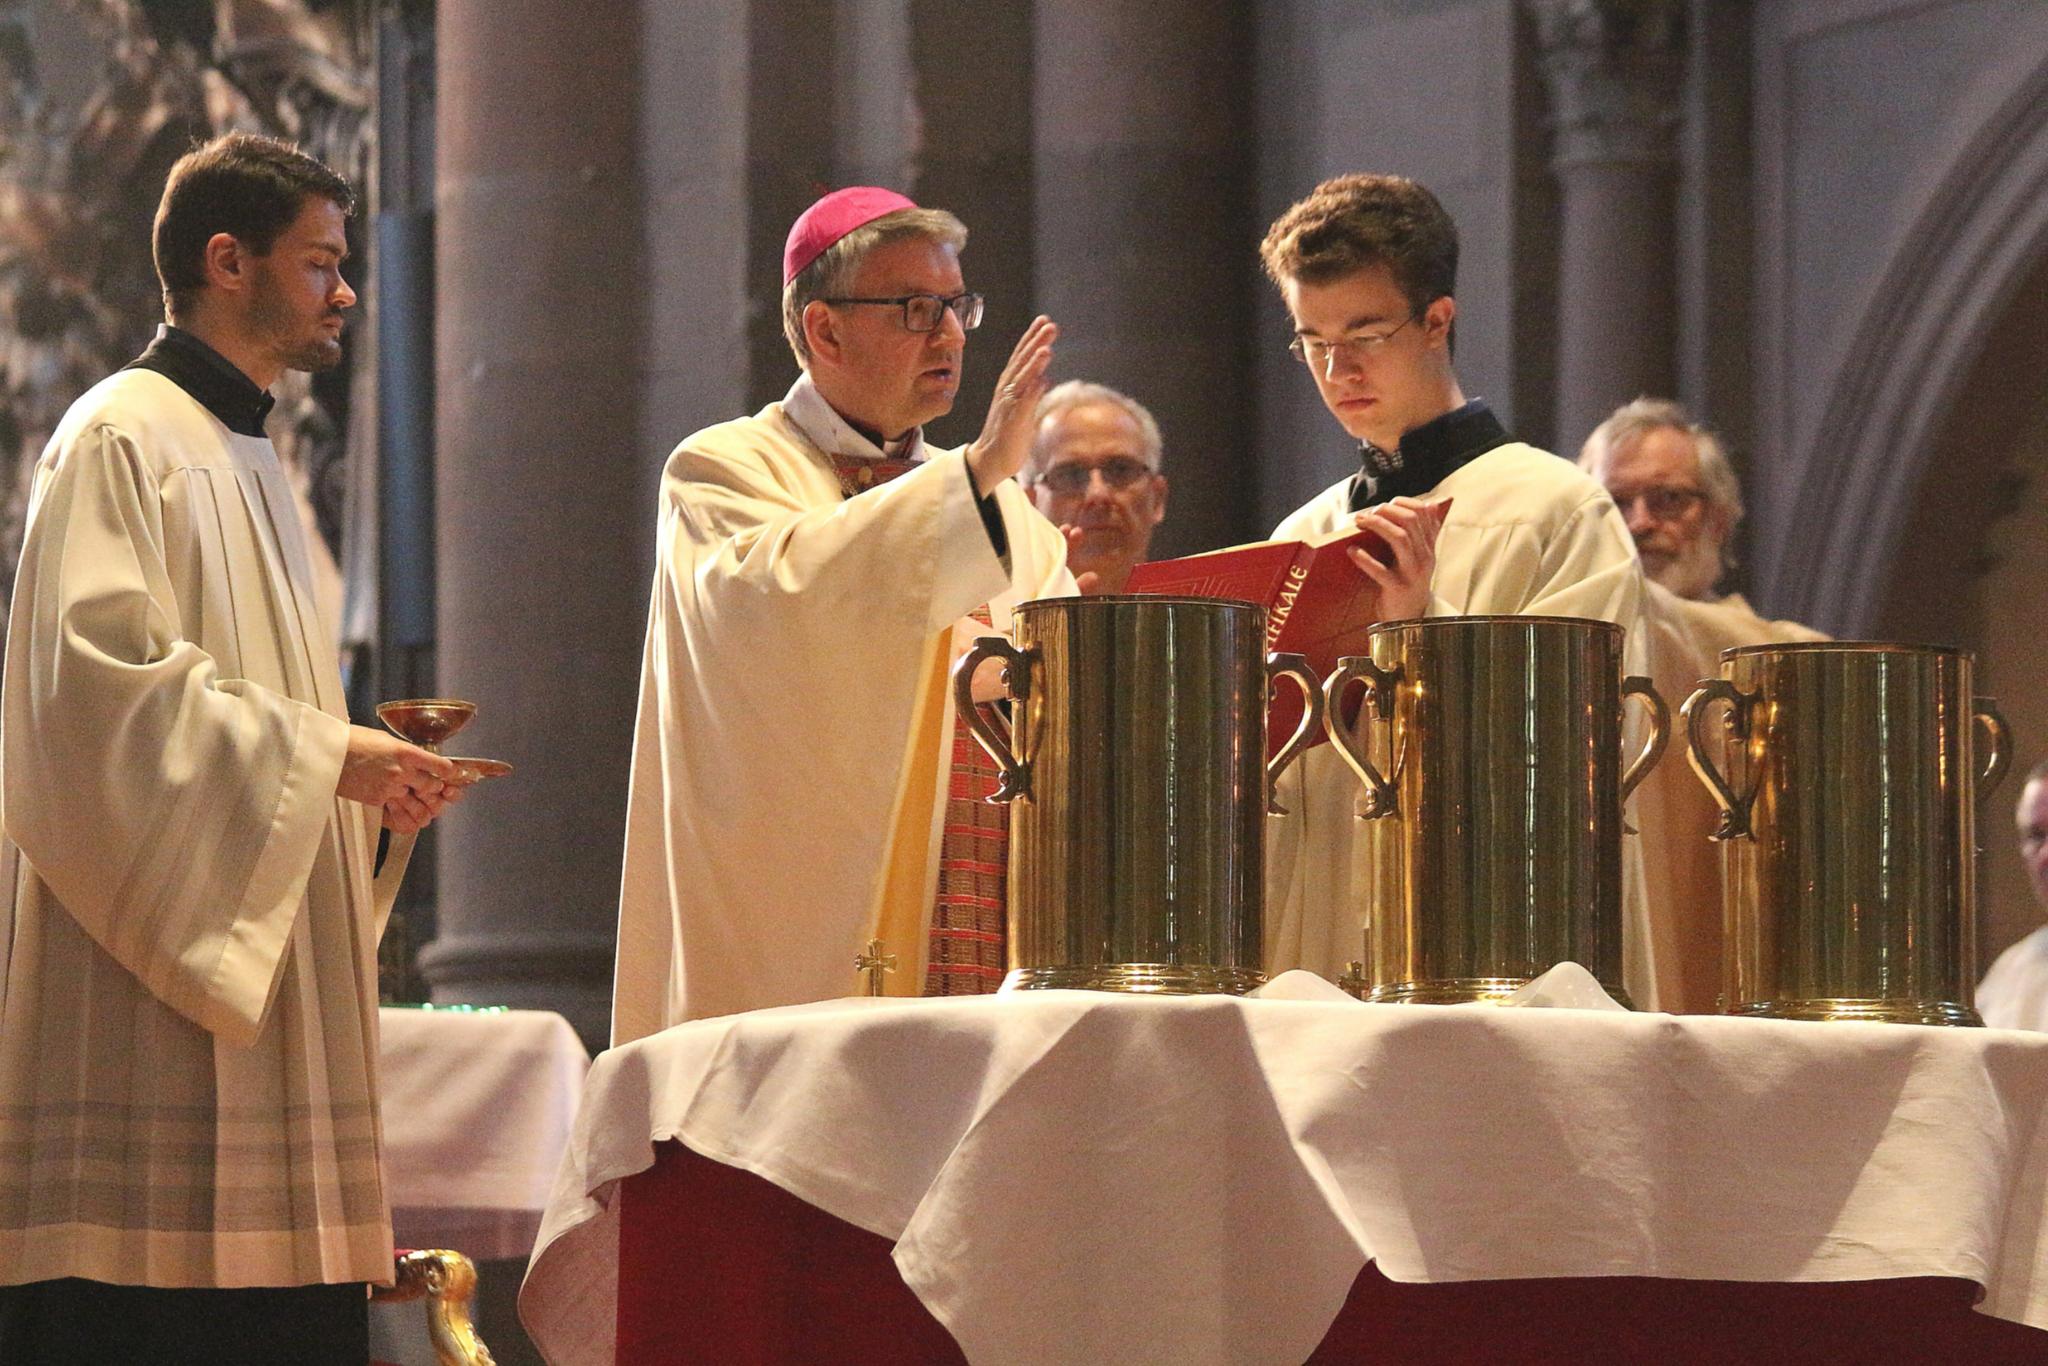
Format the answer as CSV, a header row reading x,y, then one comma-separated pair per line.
x,y
1318,603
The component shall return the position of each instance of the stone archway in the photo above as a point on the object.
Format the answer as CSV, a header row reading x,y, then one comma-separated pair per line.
x,y
1972,566
1830,550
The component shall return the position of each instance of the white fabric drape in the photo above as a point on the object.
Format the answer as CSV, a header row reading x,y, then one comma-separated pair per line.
x,y
1080,1177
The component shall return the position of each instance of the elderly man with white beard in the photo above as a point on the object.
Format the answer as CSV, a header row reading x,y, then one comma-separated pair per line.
x,y
1675,487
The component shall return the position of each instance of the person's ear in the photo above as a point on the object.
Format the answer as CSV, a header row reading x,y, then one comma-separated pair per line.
x,y
1158,499
1437,319
225,262
821,331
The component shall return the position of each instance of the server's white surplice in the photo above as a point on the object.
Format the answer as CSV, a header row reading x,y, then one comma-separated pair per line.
x,y
188,1015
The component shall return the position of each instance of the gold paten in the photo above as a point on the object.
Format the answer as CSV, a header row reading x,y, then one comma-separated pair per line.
x,y
1848,775
469,771
1137,778
1491,753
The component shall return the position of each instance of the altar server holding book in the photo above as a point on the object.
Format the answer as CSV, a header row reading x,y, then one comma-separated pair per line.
x,y
1474,521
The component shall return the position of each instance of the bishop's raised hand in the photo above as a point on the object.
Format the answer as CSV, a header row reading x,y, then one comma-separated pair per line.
x,y
1005,441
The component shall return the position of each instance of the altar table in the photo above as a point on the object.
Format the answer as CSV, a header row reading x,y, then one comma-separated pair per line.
x,y
477,1107
1070,1176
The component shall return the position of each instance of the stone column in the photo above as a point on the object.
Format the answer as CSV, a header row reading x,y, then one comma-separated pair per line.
x,y
1615,72
543,506
1144,214
971,77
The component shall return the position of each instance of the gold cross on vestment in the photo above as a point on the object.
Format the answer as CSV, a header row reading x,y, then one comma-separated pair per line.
x,y
874,963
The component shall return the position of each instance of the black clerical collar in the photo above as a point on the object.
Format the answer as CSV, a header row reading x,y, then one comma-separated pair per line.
x,y
216,382
1426,455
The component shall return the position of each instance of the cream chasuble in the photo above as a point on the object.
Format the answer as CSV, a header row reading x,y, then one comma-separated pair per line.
x,y
188,1031
1528,534
1681,865
787,757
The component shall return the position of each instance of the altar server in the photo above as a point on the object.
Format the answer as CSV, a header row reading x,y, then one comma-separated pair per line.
x,y
1478,522
189,1164
800,787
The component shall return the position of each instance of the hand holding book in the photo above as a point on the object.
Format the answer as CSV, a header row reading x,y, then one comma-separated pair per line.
x,y
1407,529
1323,594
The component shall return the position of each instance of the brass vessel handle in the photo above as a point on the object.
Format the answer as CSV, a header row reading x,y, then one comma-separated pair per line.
x,y
984,722
1279,666
1635,685
1380,799
2000,758
1734,822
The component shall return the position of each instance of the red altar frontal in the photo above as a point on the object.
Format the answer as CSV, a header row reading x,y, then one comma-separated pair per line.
x,y
1067,1176
716,1264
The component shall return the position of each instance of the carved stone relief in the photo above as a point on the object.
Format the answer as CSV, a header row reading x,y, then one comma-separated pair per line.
x,y
79,186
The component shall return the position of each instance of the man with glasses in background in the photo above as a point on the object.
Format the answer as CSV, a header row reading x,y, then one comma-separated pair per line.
x,y
1475,521
1094,473
800,788
1674,485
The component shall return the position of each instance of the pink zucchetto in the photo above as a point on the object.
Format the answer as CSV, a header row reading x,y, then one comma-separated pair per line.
x,y
831,218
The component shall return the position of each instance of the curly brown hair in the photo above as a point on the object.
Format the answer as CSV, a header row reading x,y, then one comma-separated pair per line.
x,y
1350,222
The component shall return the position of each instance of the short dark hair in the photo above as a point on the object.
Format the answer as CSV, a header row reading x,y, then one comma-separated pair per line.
x,y
1351,222
245,185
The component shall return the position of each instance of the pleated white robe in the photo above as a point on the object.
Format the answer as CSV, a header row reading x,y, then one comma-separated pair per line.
x,y
788,692
188,1033
1528,534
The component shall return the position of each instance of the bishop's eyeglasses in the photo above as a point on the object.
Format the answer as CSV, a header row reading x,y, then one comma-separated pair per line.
x,y
922,312
1356,349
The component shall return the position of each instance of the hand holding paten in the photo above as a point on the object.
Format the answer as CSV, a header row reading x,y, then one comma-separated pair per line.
x,y
413,812
1005,441
379,769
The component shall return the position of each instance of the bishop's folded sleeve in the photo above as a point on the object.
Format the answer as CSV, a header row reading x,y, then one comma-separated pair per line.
x,y
915,544
175,814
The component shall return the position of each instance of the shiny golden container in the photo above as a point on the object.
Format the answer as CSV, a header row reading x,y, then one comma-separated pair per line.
x,y
1491,752
1136,771
1848,783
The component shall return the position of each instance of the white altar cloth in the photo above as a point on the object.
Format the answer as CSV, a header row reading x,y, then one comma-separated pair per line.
x,y
1074,1176
477,1108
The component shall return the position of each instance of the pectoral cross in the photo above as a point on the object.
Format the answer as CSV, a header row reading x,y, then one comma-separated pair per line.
x,y
874,963
1354,980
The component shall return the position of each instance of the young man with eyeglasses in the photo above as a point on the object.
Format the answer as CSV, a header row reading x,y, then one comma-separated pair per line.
x,y
1094,472
1476,521
800,785
1682,502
